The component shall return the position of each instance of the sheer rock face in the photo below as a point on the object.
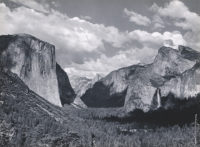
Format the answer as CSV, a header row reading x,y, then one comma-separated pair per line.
x,y
34,62
142,86
67,94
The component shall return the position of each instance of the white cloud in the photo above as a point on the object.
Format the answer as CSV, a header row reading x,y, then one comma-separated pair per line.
x,y
174,9
183,18
151,42
70,33
73,37
79,39
177,9
137,18
104,64
157,38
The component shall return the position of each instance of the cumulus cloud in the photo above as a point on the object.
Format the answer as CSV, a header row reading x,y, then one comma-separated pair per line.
x,y
69,34
104,64
158,39
151,43
76,40
85,48
183,18
137,18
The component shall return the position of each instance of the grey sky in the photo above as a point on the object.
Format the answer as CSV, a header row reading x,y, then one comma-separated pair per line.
x,y
109,12
98,36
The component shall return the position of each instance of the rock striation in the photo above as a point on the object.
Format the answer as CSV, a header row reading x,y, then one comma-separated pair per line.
x,y
143,86
34,61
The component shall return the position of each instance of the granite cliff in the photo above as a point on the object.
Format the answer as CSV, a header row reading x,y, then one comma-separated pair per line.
x,y
143,86
34,61
67,93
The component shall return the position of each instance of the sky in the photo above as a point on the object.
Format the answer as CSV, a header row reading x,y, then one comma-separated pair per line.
x,y
98,36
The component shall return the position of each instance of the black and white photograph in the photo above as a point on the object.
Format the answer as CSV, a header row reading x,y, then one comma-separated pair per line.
x,y
99,73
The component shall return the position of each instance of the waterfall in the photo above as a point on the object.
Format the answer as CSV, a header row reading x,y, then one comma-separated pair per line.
x,y
158,97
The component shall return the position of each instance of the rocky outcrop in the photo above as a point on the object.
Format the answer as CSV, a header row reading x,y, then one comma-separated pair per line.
x,y
67,94
34,62
143,86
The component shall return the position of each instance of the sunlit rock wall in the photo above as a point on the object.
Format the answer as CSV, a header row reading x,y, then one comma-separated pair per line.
x,y
34,62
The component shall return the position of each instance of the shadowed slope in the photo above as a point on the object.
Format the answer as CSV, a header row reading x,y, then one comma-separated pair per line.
x,y
67,94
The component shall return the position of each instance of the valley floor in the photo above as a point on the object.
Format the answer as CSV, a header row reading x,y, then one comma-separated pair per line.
x,y
92,127
27,120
